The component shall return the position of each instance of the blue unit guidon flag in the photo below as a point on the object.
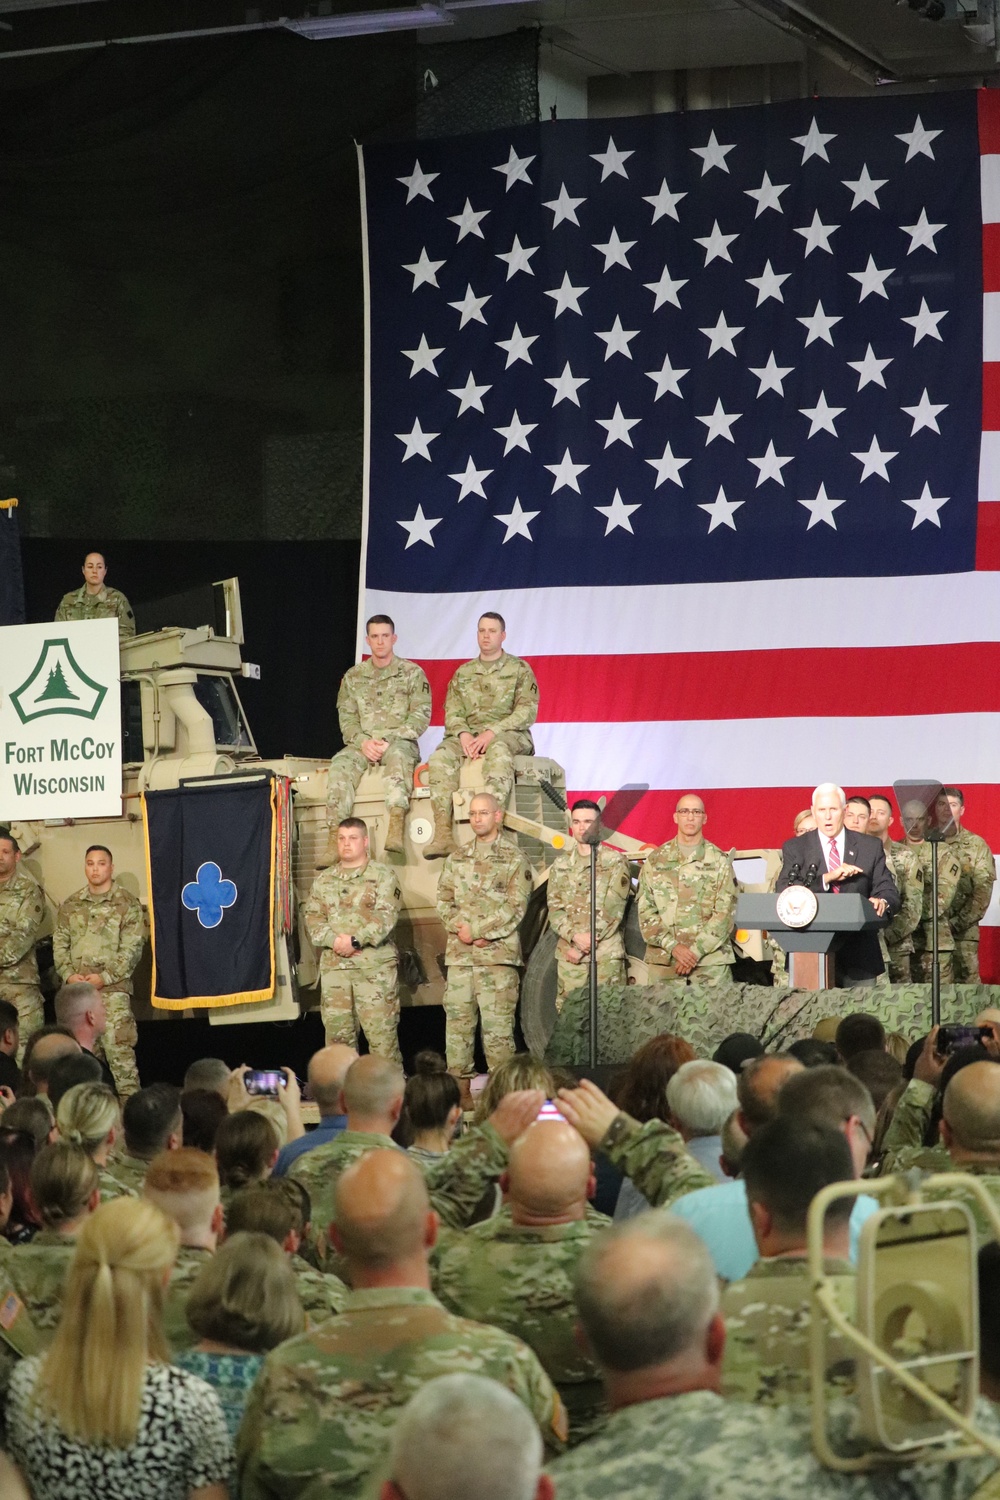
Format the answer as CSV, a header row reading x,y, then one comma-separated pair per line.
x,y
708,407
210,864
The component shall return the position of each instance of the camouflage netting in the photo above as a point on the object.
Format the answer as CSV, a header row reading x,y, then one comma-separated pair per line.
x,y
628,1017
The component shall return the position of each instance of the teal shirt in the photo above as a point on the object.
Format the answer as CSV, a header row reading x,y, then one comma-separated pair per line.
x,y
230,1376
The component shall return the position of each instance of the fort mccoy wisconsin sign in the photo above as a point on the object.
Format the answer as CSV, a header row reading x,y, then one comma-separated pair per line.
x,y
60,721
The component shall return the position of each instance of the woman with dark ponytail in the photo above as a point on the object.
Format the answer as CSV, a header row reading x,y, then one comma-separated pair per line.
x,y
432,1108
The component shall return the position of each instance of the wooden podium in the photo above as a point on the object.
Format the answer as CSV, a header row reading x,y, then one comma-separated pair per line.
x,y
812,949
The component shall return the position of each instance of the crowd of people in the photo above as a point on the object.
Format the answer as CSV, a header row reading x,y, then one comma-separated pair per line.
x,y
564,1292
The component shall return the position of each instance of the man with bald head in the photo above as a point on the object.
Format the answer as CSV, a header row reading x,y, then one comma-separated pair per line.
x,y
687,897
836,859
327,1071
321,1414
482,895
45,1047
373,1098
648,1300
516,1270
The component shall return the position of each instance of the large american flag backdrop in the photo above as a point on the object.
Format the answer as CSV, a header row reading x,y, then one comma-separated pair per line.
x,y
708,407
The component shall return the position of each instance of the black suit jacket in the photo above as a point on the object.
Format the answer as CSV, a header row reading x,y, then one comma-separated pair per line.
x,y
859,956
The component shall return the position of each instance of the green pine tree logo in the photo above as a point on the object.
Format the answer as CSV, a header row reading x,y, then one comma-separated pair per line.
x,y
57,684
57,687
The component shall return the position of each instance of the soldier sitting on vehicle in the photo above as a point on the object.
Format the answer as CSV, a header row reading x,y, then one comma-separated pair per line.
x,y
491,704
384,706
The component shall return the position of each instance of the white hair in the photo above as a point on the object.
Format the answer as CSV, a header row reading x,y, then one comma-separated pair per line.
x,y
701,1096
73,1001
463,1434
829,786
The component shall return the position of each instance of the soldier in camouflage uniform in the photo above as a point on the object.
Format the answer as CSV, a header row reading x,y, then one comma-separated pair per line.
x,y
516,1271
384,706
64,1189
95,601
278,1207
767,1312
687,897
954,889
22,907
970,1127
99,935
568,890
373,1098
490,707
322,1410
904,865
981,873
650,1285
483,894
350,916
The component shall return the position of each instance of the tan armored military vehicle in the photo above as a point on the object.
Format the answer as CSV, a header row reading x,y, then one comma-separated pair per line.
x,y
182,719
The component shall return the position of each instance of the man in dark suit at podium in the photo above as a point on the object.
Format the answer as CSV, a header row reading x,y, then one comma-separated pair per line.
x,y
834,859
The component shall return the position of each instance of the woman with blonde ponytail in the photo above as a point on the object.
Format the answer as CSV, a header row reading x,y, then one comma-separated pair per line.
x,y
89,1116
103,1412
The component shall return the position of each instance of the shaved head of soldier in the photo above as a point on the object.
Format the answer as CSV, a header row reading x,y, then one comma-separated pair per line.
x,y
690,817
549,1175
382,1220
971,1124
328,1068
373,1094
648,1299
485,816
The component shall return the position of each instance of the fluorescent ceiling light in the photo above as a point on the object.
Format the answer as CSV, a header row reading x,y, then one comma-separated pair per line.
x,y
365,22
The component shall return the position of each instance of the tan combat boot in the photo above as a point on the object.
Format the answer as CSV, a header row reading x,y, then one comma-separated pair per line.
x,y
442,843
397,828
329,854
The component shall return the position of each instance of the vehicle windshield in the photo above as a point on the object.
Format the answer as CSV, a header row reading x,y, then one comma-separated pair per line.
x,y
218,697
